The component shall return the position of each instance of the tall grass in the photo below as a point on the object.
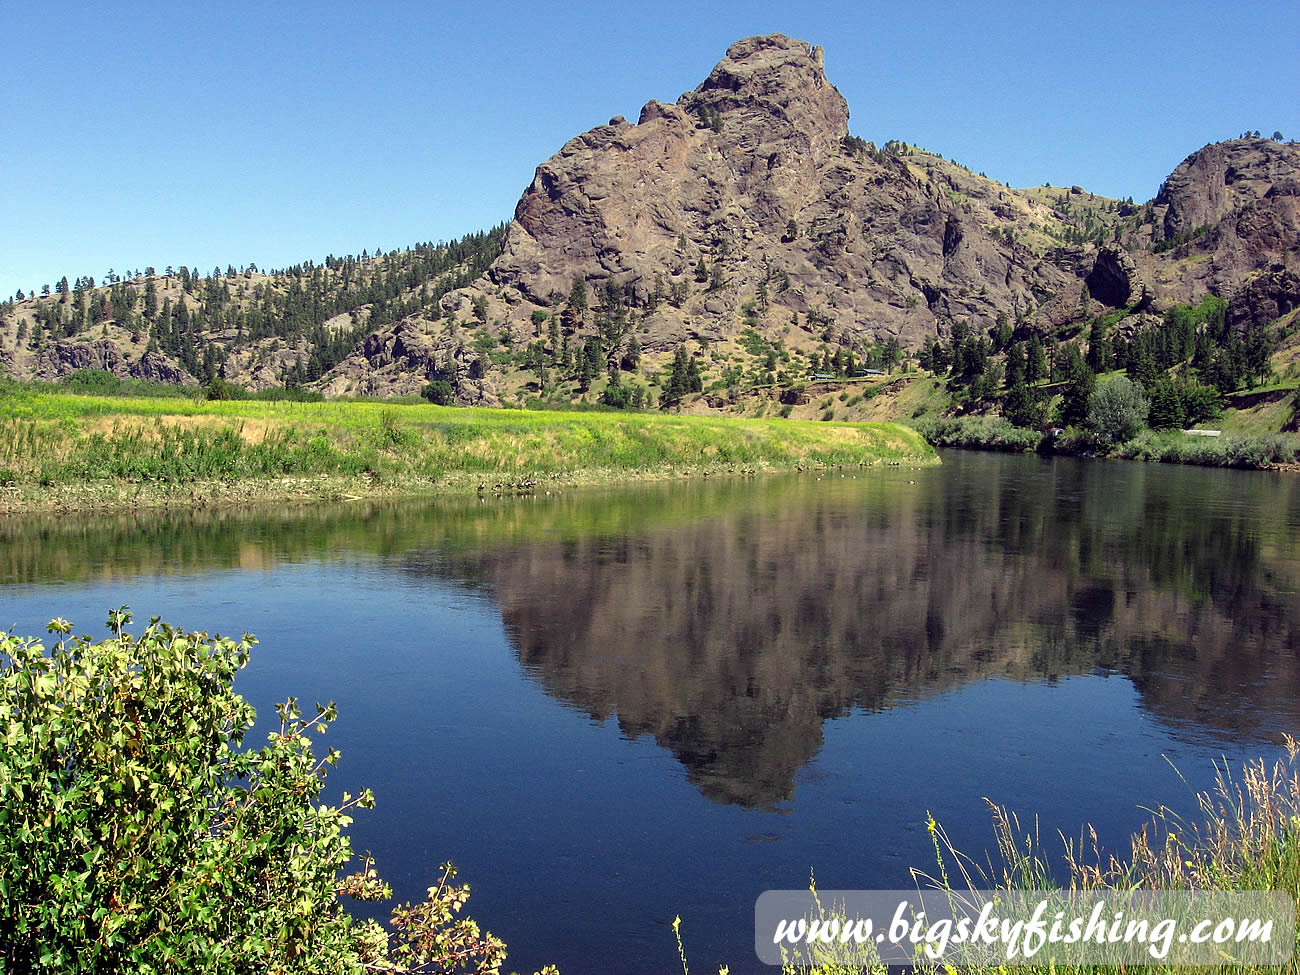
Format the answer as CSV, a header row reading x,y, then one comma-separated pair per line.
x,y
1173,447
1244,836
172,454
59,439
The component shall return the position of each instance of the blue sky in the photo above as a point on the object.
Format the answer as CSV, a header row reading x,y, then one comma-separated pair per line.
x,y
210,134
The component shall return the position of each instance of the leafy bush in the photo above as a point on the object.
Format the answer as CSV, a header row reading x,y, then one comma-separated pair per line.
x,y
977,433
137,835
1117,410
439,392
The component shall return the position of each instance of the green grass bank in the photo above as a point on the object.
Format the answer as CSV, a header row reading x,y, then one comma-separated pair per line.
x,y
1243,451
61,451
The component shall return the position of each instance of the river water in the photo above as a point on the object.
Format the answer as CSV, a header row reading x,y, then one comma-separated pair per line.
x,y
611,708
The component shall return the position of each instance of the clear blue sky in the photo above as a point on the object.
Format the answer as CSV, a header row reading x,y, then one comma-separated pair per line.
x,y
152,133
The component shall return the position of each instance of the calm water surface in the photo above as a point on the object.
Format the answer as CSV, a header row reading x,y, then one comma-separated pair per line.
x,y
611,708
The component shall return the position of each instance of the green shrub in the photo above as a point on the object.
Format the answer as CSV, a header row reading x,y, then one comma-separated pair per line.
x,y
439,392
219,389
138,835
977,433
101,382
1117,410
288,394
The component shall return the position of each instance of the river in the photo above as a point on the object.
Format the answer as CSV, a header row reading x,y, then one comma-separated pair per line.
x,y
613,707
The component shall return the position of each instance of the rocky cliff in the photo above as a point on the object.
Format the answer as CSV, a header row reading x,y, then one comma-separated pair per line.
x,y
1227,222
744,207
748,204
754,172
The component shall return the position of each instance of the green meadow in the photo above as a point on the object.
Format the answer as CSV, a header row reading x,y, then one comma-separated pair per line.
x,y
66,450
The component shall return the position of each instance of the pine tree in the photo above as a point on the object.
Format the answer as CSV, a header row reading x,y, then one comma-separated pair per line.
x,y
578,297
1099,350
1015,374
694,381
1035,361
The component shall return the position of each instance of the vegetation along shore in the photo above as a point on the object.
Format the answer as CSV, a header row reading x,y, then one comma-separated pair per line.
x,y
64,451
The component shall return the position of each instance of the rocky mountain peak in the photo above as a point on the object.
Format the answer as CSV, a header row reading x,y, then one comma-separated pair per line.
x,y
1224,177
749,191
777,87
728,163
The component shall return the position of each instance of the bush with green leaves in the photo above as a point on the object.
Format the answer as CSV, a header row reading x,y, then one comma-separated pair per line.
x,y
977,433
1117,410
439,392
219,389
137,834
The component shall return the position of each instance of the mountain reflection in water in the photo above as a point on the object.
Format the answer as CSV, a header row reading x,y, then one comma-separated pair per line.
x,y
732,639
730,620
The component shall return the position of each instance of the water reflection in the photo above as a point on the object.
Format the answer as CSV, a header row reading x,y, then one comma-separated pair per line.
x,y
730,621
733,639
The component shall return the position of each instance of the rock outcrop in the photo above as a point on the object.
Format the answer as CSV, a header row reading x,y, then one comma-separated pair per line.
x,y
401,360
1114,279
1227,216
747,203
754,173
67,356
1221,179
749,192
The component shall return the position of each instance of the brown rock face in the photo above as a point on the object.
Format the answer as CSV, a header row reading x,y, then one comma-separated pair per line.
x,y
1233,209
158,368
65,357
774,91
401,359
752,172
1114,279
753,177
1220,179
1265,297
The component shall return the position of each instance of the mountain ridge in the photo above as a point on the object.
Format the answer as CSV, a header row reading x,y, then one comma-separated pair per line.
x,y
746,222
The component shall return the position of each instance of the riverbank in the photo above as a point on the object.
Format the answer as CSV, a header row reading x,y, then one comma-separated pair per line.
x,y
64,452
1276,451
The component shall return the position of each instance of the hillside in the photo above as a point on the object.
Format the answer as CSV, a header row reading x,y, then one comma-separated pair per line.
x,y
745,225
258,330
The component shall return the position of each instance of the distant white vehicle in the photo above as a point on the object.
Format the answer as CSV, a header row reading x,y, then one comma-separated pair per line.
x,y
1203,433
